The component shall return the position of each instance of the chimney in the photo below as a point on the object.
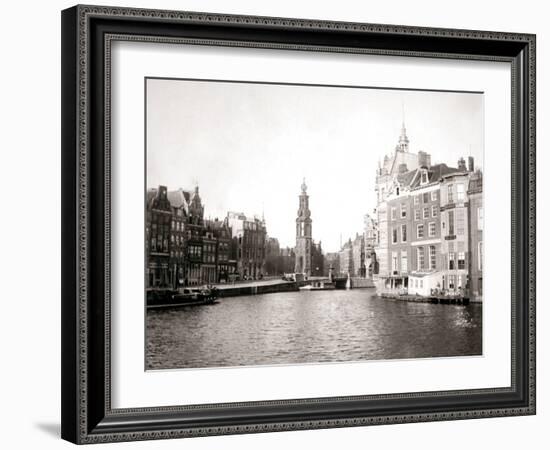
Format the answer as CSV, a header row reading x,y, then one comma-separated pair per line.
x,y
470,163
424,159
402,168
462,164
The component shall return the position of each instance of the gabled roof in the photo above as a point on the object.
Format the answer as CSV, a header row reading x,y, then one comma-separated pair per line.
x,y
406,178
179,199
435,173
151,195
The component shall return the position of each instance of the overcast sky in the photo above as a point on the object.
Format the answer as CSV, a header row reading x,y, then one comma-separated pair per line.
x,y
248,146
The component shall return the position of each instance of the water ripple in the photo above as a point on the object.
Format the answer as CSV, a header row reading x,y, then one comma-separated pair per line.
x,y
306,327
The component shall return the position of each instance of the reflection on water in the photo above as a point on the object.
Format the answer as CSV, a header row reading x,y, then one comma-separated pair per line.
x,y
306,327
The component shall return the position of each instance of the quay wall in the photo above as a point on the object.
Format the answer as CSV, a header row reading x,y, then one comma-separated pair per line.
x,y
359,283
234,291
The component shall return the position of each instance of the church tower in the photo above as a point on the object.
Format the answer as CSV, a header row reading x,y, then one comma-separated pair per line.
x,y
303,234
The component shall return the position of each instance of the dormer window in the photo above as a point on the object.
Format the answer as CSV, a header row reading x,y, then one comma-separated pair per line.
x,y
424,176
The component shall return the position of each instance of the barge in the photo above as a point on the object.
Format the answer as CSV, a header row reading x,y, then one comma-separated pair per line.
x,y
179,298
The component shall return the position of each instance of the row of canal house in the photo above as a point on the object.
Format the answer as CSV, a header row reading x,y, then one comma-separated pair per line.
x,y
185,249
429,225
433,231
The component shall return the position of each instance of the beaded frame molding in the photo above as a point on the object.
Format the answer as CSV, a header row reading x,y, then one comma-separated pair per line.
x,y
87,35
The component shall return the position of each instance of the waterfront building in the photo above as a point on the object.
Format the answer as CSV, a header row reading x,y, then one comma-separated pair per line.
x,y
346,259
250,235
454,230
317,260
303,234
399,163
358,256
428,237
331,261
178,238
288,260
273,259
195,225
157,241
222,233
475,196
208,272
427,262
371,241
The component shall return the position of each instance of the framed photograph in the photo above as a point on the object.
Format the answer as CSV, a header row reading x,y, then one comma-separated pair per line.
x,y
278,224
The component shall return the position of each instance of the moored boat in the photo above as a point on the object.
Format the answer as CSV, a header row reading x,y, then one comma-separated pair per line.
x,y
319,286
182,297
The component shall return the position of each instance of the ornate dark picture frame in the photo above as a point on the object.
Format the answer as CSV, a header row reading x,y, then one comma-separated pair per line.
x,y
87,34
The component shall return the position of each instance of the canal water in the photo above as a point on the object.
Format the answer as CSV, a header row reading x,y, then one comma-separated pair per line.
x,y
308,327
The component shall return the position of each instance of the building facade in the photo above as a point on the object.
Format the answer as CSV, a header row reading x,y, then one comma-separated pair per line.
x,y
346,259
178,239
250,235
475,196
273,259
454,230
429,226
195,226
157,238
317,260
358,255
371,242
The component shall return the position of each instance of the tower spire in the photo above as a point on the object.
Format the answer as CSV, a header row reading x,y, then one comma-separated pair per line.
x,y
303,234
403,144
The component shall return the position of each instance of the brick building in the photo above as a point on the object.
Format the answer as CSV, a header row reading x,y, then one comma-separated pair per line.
x,y
157,238
475,196
250,235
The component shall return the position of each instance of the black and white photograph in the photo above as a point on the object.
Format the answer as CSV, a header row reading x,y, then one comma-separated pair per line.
x,y
297,224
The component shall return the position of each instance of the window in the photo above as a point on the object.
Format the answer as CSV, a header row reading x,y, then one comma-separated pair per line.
x,y
451,221
450,197
393,214
403,233
480,255
431,229
403,210
420,231
451,261
421,283
424,177
394,262
420,258
425,197
434,210
404,261
416,199
452,281
426,213
460,221
461,262
416,214
394,236
432,257
480,218
434,196
460,192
